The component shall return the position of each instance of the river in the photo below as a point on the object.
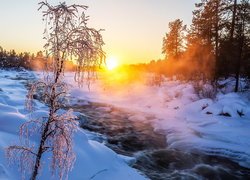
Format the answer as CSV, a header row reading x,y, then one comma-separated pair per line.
x,y
136,138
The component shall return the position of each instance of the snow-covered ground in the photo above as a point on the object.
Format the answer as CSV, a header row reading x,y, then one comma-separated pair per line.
x,y
219,127
216,127
93,159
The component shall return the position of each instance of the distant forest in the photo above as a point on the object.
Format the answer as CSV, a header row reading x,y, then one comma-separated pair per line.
x,y
27,60
216,45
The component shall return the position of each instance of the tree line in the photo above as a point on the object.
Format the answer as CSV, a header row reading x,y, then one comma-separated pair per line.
x,y
12,59
216,45
26,60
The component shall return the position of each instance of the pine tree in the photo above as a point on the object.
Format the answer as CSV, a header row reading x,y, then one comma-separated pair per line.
x,y
173,42
242,38
209,25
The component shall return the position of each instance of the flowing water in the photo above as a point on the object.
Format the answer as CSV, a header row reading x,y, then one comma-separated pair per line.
x,y
136,138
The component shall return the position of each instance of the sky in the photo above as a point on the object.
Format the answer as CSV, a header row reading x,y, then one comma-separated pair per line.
x,y
134,29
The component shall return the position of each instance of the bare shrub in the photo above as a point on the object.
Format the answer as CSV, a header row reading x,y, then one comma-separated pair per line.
x,y
204,89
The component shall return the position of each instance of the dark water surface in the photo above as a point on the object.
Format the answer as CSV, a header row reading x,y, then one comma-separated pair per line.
x,y
136,138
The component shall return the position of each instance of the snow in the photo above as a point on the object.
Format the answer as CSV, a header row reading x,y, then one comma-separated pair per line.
x,y
94,160
217,126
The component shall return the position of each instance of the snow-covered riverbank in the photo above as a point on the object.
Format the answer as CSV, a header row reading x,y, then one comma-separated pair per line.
x,y
93,159
217,127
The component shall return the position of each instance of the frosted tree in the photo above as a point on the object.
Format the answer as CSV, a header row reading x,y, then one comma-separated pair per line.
x,y
68,37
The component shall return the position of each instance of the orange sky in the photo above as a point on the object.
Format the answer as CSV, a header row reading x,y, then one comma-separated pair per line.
x,y
133,28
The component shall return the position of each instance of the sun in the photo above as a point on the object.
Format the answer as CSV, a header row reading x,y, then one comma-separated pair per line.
x,y
111,63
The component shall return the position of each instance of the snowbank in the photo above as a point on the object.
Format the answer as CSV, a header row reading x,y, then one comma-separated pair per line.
x,y
94,160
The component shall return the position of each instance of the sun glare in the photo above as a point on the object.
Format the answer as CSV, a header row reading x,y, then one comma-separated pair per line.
x,y
111,63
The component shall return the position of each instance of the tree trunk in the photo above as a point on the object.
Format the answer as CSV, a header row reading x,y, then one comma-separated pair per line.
x,y
217,39
46,129
40,152
233,21
241,41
